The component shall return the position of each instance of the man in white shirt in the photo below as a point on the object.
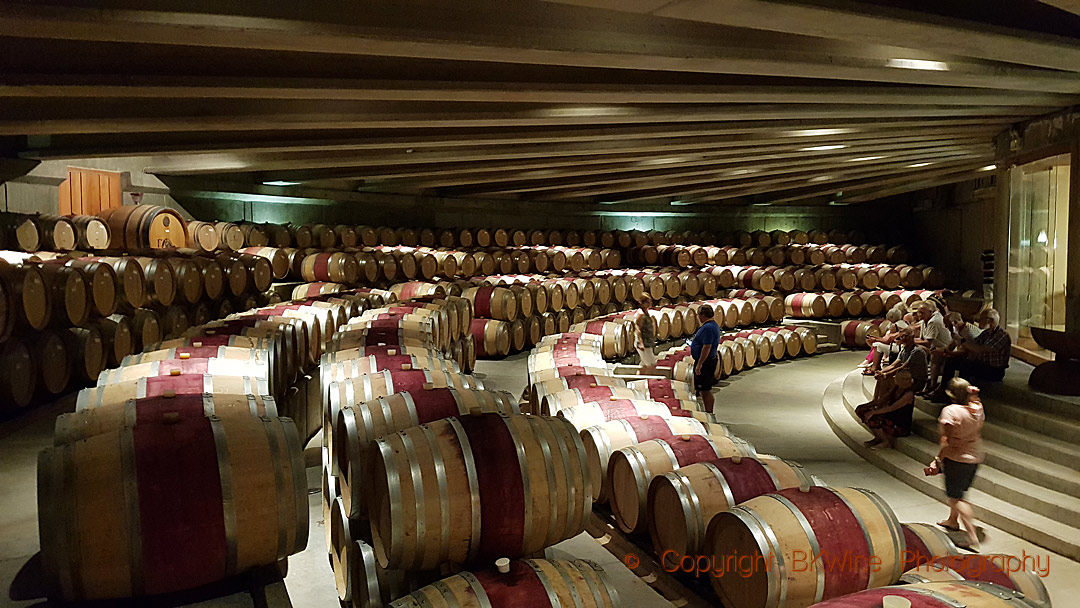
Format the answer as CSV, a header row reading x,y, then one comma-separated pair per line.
x,y
935,337
933,334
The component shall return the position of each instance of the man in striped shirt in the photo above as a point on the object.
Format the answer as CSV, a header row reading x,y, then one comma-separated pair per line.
x,y
985,358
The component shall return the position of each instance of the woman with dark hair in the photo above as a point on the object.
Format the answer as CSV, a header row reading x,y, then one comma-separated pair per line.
x,y
960,454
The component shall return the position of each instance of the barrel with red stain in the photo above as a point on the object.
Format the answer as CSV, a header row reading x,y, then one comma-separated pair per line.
x,y
528,583
854,532
495,466
173,506
632,469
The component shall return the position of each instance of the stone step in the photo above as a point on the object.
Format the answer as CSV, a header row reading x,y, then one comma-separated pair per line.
x,y
827,347
1023,440
1015,462
1013,518
1021,492
1000,433
1046,423
1026,399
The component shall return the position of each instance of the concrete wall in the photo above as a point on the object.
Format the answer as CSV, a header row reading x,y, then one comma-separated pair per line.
x,y
952,229
297,204
38,190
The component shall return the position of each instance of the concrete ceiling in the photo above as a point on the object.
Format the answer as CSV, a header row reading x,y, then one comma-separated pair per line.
x,y
699,101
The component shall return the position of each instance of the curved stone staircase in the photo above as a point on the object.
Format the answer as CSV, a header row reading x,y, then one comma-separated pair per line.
x,y
1029,484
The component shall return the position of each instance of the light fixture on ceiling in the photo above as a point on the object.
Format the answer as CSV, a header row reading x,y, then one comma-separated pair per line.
x,y
822,148
865,158
820,178
760,204
739,172
281,183
664,161
917,165
584,111
838,203
918,64
988,168
680,203
816,132
608,203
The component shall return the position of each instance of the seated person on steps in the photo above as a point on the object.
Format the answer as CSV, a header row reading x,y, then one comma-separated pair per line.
x,y
883,349
889,415
983,358
911,357
934,336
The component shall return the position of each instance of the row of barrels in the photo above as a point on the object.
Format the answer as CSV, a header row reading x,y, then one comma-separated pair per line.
x,y
44,364
63,290
664,476
743,350
407,504
370,265
153,226
687,256
826,277
30,233
322,235
498,336
183,464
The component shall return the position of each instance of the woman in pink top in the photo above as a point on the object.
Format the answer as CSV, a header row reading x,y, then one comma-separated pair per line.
x,y
960,454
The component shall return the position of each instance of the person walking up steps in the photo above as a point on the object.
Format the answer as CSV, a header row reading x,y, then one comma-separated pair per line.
x,y
961,452
704,348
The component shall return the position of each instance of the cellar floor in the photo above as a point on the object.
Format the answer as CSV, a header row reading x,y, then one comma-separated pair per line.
x,y
776,407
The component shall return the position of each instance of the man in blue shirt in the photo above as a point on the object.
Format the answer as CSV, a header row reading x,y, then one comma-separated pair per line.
x,y
704,349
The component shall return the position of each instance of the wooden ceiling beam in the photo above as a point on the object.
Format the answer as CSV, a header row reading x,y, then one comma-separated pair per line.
x,y
628,149
530,33
377,174
612,184
143,87
872,23
36,121
891,186
704,191
207,142
544,178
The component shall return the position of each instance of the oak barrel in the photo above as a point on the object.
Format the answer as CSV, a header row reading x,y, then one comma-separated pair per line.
x,y
534,583
357,427
848,524
682,503
954,594
632,469
514,484
203,236
157,508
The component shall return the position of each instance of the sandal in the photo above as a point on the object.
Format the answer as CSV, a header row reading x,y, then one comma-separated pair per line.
x,y
945,524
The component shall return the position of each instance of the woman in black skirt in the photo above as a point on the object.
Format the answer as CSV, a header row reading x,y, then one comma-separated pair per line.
x,y
960,454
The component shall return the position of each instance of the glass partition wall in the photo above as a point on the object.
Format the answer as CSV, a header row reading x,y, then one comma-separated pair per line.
x,y
1038,243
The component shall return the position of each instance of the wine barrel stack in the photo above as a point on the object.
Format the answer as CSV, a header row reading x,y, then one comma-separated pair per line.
x,y
209,353
427,473
682,486
108,286
169,436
